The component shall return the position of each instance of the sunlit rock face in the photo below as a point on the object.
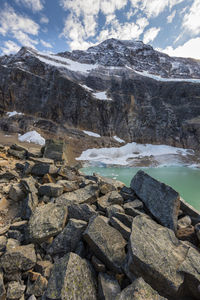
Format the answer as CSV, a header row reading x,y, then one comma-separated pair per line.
x,y
122,88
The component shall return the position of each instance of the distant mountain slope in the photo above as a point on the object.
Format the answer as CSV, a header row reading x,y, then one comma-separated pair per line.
x,y
122,88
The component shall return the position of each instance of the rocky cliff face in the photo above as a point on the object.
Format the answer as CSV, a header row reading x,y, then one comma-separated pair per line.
x,y
122,88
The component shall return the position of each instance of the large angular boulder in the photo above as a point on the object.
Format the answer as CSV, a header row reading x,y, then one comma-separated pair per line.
x,y
191,270
161,200
68,239
139,290
109,199
54,149
15,290
71,278
81,212
161,259
106,242
87,194
46,221
19,258
50,190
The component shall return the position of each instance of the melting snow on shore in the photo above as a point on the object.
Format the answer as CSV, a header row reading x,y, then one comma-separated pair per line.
x,y
13,113
90,133
32,137
123,155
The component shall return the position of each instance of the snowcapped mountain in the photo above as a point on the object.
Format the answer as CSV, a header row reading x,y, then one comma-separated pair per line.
x,y
123,88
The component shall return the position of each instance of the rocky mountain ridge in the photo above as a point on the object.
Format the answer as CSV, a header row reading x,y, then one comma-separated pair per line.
x,y
122,88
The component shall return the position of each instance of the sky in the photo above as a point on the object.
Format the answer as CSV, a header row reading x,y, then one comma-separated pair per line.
x,y
170,26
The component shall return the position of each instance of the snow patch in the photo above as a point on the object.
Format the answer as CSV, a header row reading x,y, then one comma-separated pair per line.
x,y
101,96
159,78
32,137
116,138
90,133
86,87
61,62
123,155
13,113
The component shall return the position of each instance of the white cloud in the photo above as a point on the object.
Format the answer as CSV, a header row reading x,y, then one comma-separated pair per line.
x,y
44,20
46,44
125,31
18,26
150,34
110,6
171,17
191,21
81,24
189,49
10,47
34,5
152,8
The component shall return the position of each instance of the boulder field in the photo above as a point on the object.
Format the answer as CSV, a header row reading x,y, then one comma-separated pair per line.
x,y
65,235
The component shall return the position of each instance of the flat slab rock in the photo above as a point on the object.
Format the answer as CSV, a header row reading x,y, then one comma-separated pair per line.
x,y
161,200
46,221
161,259
106,242
71,278
87,194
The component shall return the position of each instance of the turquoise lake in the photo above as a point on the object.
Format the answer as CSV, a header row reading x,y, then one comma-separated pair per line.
x,y
184,180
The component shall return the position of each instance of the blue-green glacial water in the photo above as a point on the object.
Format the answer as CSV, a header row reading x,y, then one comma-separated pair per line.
x,y
184,180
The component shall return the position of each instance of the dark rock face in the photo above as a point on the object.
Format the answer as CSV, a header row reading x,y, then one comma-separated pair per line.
x,y
162,201
142,109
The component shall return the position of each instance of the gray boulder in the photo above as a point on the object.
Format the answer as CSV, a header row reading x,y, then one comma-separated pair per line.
x,y
71,278
50,190
161,200
112,209
31,201
37,287
106,242
139,290
68,239
109,199
87,194
159,257
108,287
184,222
15,290
46,221
190,267
3,242
16,193
19,258
81,212
42,168
123,229
54,149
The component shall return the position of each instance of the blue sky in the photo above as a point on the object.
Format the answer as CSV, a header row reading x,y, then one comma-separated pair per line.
x,y
172,26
